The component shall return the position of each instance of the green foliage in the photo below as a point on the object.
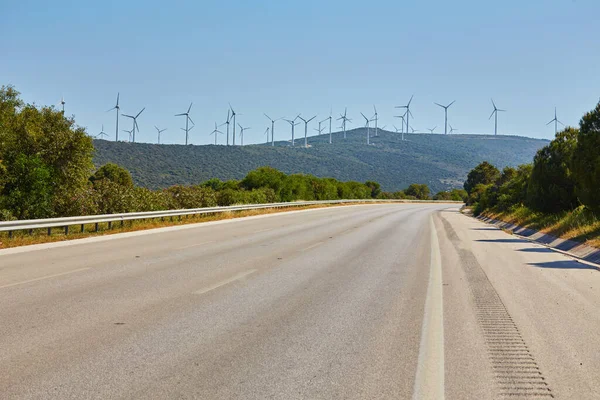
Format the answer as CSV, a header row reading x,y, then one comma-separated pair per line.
x,y
485,173
418,191
454,195
440,161
586,160
113,173
375,188
512,187
29,190
552,186
58,152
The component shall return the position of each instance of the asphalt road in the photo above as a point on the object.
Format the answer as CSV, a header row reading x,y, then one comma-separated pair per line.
x,y
393,301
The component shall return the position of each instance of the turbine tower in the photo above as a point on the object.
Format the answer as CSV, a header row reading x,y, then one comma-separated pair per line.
x,y
556,122
159,131
306,129
118,111
272,129
408,113
215,132
445,115
62,103
376,118
293,123
495,115
233,114
401,126
330,135
267,134
242,129
187,120
227,122
130,132
344,120
367,120
102,133
135,124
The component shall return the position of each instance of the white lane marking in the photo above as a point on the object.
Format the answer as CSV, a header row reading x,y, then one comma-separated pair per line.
x,y
195,245
263,230
43,277
312,246
225,282
429,381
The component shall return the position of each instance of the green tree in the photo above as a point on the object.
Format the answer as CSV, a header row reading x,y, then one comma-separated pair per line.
x,y
552,186
113,173
586,160
375,188
419,191
485,173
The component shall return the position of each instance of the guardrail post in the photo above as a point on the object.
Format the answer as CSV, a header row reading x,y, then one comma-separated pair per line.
x,y
122,223
96,227
10,234
109,225
66,229
49,231
82,228
30,232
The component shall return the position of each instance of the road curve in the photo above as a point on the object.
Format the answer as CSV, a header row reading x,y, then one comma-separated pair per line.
x,y
371,301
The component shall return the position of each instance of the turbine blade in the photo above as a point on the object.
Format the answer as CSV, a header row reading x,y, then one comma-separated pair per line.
x,y
438,104
138,114
267,116
180,115
448,106
494,104
192,121
190,108
118,98
550,122
492,114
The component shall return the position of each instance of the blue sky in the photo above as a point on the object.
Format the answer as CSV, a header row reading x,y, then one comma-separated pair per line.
x,y
290,57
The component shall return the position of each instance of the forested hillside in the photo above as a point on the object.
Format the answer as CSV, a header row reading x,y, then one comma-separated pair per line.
x,y
439,161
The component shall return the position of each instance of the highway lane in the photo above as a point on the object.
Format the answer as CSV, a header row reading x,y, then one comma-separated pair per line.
x,y
325,303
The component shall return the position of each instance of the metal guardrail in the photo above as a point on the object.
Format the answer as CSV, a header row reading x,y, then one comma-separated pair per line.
x,y
65,222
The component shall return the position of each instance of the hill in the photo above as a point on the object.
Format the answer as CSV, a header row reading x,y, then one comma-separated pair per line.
x,y
441,161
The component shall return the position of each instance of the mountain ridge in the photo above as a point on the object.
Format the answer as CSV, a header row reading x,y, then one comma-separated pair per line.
x,y
441,161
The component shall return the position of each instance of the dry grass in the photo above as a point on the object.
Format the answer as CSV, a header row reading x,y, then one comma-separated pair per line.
x,y
579,225
23,238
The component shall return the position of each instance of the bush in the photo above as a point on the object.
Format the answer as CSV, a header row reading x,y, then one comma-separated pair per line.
x,y
586,160
113,173
420,192
485,173
551,186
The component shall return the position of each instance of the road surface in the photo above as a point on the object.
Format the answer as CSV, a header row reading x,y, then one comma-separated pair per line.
x,y
395,301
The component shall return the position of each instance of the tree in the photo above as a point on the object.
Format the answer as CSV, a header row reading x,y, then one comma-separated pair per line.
x,y
586,160
551,187
264,177
113,173
375,188
419,191
485,173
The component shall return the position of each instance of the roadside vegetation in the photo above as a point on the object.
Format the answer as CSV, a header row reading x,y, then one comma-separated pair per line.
x,y
558,193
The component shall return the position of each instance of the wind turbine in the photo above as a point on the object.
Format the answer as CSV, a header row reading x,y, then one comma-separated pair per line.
x,y
227,123
128,131
556,122
116,108
376,118
452,129
396,128
367,120
408,113
102,133
431,129
319,129
159,132
272,129
242,129
413,130
344,120
330,135
306,129
445,115
267,134
62,103
135,124
215,132
495,115
402,125
187,120
233,114
293,124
